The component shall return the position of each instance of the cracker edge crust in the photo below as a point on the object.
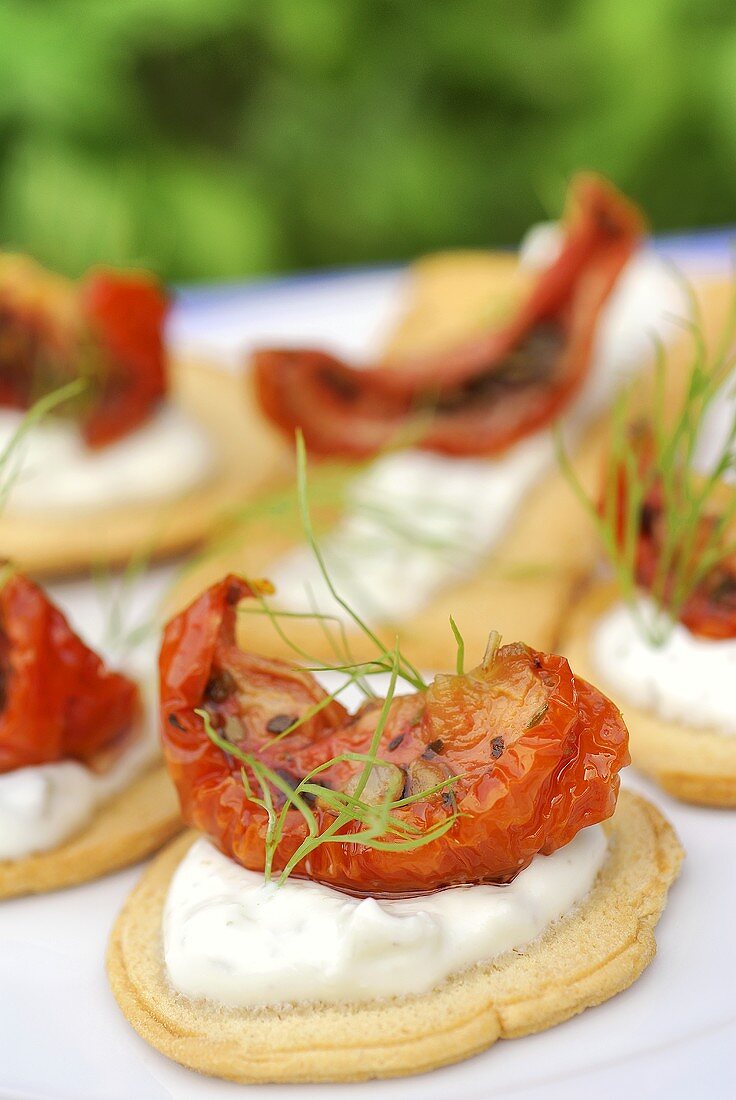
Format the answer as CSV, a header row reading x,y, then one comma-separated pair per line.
x,y
584,959
696,766
128,827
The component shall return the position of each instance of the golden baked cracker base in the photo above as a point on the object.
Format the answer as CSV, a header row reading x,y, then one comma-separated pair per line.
x,y
694,765
128,827
592,954
521,590
249,456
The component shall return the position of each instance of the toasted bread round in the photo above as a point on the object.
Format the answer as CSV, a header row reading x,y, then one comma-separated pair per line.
x,y
596,951
696,766
248,456
130,826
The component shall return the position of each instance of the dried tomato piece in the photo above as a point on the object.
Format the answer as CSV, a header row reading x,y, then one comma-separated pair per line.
x,y
710,608
535,750
57,698
123,317
493,389
108,329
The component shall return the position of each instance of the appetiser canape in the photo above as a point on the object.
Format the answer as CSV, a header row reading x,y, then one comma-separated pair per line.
x,y
468,502
381,892
83,790
141,457
661,635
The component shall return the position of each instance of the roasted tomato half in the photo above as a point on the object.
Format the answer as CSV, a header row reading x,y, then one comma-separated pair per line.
x,y
535,750
107,329
57,698
710,608
123,318
482,396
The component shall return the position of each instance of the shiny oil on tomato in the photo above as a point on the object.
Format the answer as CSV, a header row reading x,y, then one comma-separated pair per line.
x,y
535,751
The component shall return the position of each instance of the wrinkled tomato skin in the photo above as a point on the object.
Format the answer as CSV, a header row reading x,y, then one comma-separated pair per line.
x,y
354,414
536,751
58,699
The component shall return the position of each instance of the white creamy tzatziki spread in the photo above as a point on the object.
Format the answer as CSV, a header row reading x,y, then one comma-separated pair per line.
x,y
686,679
43,805
433,519
232,939
56,474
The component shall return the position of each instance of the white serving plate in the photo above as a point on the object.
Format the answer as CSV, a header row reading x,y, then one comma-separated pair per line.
x,y
673,1034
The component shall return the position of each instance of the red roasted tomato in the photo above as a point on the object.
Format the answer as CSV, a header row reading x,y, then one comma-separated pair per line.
x,y
482,396
57,698
107,329
710,609
123,317
536,751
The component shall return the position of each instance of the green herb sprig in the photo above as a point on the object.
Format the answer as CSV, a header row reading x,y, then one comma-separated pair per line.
x,y
333,626
379,825
689,551
335,488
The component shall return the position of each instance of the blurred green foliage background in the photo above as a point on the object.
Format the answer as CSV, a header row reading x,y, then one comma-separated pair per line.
x,y
220,138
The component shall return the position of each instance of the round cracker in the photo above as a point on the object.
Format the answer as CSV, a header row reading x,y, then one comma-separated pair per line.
x,y
523,587
249,454
128,827
594,952
697,766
